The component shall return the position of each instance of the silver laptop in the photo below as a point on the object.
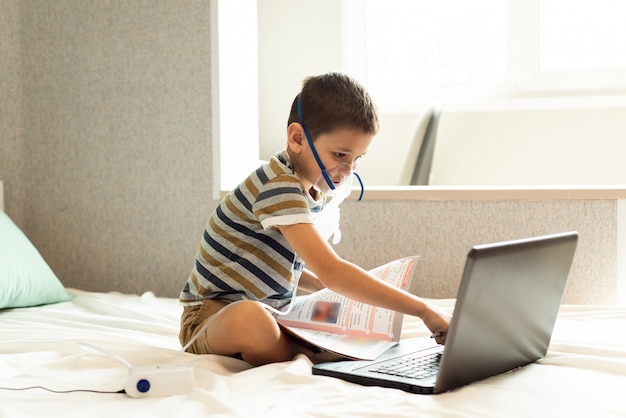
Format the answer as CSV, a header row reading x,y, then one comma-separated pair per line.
x,y
506,307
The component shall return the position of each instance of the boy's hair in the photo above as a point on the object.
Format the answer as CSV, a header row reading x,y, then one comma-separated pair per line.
x,y
334,101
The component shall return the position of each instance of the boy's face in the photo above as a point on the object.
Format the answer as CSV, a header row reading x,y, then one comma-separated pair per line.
x,y
339,152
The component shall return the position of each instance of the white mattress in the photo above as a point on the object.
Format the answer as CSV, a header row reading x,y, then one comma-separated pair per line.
x,y
583,374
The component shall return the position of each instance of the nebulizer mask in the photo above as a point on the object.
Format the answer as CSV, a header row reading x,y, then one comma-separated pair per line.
x,y
334,185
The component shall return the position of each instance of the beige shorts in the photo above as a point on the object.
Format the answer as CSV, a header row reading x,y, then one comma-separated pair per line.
x,y
192,319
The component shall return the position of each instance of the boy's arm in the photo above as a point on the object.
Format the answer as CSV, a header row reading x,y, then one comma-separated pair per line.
x,y
354,282
309,282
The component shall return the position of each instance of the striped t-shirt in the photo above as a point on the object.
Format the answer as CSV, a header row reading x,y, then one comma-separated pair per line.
x,y
242,254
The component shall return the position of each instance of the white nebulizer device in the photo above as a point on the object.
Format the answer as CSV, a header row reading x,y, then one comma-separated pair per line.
x,y
153,380
327,220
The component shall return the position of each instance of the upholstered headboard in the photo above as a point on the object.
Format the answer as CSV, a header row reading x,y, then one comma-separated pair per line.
x,y
1,196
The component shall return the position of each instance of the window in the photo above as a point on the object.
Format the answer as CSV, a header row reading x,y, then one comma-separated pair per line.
x,y
408,49
582,34
424,48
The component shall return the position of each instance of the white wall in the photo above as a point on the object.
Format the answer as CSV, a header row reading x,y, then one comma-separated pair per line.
x,y
575,140
234,77
385,159
297,38
533,142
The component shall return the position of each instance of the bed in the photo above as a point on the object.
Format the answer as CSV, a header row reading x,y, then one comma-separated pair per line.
x,y
48,366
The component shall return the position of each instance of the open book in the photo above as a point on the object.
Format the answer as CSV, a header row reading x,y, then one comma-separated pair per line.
x,y
346,327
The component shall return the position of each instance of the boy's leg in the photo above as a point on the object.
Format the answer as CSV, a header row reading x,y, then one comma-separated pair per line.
x,y
247,328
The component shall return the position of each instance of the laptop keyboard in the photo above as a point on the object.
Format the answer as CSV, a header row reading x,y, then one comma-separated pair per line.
x,y
419,367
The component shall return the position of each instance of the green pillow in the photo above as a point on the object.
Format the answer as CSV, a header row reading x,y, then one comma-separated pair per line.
x,y
25,277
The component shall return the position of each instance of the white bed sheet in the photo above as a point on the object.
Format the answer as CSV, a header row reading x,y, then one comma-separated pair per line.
x,y
584,373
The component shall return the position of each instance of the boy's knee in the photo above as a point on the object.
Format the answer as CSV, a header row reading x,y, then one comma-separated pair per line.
x,y
249,316
249,307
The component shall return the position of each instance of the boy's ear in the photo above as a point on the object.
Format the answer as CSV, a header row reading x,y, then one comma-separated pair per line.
x,y
295,137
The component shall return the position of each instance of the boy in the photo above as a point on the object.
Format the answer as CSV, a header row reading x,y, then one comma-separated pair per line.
x,y
261,235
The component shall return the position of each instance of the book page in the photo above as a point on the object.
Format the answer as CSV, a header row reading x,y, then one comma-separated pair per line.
x,y
344,346
332,321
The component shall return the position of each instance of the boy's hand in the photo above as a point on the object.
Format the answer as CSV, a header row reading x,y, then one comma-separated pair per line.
x,y
438,323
